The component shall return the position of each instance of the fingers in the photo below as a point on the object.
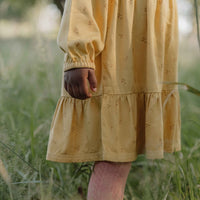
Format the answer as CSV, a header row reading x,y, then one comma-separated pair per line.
x,y
92,80
83,88
76,83
70,90
78,91
75,91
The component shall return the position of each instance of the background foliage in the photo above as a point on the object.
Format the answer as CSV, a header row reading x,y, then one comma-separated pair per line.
x,y
17,9
30,77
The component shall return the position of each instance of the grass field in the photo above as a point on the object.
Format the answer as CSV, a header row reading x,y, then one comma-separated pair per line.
x,y
30,78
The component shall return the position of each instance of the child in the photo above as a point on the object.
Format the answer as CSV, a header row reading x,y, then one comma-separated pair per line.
x,y
126,50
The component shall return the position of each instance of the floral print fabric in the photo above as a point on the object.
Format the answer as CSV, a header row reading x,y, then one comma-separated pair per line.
x,y
133,47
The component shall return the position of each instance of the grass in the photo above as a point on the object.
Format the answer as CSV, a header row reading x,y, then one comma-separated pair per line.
x,y
29,89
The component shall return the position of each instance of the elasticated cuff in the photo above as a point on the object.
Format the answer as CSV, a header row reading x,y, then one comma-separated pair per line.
x,y
70,63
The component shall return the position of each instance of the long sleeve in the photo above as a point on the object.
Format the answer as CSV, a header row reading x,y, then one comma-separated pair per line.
x,y
82,32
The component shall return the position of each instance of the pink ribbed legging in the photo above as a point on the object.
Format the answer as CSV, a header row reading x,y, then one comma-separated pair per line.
x,y
108,180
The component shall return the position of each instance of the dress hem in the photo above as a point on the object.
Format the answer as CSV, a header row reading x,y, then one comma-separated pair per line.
x,y
90,157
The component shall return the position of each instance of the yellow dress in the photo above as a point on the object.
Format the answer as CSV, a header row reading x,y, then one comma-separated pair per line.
x,y
133,47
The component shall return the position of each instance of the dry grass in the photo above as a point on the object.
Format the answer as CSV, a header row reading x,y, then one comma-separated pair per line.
x,y
4,173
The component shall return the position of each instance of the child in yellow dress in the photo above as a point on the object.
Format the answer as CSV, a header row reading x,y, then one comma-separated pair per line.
x,y
115,103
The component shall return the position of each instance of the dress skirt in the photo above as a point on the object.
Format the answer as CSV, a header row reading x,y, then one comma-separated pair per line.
x,y
133,47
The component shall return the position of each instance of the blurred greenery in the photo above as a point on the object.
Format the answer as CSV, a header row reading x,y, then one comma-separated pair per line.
x,y
12,9
15,9
30,80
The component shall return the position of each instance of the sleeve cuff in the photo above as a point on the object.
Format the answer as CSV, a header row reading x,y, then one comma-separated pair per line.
x,y
69,63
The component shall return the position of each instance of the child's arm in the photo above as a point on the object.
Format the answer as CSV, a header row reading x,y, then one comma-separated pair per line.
x,y
82,32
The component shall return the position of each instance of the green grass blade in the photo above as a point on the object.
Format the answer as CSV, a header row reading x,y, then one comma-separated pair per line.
x,y
185,87
197,20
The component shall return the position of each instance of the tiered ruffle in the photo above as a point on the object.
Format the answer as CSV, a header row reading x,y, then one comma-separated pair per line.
x,y
115,127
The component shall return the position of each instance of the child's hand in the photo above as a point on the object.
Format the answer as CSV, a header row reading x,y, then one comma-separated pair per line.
x,y
75,82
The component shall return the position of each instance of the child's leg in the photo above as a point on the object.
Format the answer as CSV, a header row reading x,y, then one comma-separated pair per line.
x,y
108,180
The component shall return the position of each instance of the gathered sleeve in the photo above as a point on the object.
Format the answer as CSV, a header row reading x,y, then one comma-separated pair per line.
x,y
82,32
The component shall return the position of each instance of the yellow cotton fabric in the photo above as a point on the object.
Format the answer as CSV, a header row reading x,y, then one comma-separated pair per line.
x,y
133,47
